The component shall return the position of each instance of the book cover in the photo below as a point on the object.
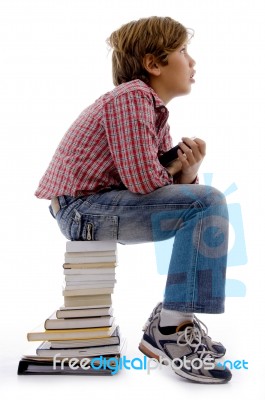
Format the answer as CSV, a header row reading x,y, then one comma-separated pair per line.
x,y
90,300
84,246
45,350
87,292
114,339
40,365
76,323
40,334
85,312
30,367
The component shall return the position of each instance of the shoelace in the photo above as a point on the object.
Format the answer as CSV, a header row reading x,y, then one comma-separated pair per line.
x,y
192,336
198,324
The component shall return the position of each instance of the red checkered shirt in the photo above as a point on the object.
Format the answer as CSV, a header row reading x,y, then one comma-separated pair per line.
x,y
115,142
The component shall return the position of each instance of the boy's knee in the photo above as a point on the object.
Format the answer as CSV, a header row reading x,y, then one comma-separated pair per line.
x,y
210,196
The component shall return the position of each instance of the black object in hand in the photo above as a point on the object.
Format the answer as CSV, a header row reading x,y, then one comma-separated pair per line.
x,y
169,156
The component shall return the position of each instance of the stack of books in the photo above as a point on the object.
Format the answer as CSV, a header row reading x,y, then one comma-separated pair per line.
x,y
80,337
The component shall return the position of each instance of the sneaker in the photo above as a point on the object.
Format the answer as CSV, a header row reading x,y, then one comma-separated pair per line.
x,y
184,351
217,349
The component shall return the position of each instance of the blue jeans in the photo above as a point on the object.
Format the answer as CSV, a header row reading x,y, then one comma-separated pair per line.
x,y
195,215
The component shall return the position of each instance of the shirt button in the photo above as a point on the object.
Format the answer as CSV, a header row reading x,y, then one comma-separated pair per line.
x,y
163,109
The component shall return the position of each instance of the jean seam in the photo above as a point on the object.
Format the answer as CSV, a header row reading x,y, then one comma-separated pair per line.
x,y
196,252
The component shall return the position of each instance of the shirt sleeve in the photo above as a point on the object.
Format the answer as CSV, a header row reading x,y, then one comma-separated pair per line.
x,y
130,123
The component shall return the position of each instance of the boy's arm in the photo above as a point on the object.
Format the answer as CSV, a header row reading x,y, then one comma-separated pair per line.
x,y
133,142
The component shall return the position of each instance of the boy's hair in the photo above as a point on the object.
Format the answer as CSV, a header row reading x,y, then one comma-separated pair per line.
x,y
159,36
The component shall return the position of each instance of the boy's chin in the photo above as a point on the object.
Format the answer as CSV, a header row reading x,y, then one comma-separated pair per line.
x,y
184,92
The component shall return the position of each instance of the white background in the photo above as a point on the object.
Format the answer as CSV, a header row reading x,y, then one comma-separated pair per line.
x,y
54,63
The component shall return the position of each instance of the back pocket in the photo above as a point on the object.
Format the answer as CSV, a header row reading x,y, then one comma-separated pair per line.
x,y
93,226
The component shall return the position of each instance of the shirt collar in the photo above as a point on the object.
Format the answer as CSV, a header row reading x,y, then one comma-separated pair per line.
x,y
157,101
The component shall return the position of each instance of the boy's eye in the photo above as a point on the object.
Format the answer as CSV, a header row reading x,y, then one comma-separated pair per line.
x,y
183,50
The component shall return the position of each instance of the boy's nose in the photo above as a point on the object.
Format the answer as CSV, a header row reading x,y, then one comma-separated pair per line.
x,y
192,62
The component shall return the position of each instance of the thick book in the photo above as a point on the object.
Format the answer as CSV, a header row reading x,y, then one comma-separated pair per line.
x,y
87,292
98,266
38,365
114,339
90,300
77,323
32,367
41,334
80,246
45,350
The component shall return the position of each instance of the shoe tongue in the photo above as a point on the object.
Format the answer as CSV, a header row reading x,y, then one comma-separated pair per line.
x,y
184,325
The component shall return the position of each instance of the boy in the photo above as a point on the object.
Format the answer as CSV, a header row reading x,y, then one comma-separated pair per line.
x,y
105,182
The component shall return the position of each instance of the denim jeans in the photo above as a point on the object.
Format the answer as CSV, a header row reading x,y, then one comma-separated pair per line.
x,y
195,215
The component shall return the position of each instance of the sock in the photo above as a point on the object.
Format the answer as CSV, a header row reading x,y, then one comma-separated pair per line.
x,y
173,317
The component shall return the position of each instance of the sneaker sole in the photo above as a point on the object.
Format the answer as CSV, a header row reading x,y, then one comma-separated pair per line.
x,y
152,352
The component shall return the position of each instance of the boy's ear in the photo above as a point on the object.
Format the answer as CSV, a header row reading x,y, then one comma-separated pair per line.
x,y
151,65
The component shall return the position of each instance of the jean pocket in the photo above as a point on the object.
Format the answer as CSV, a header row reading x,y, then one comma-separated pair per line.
x,y
93,227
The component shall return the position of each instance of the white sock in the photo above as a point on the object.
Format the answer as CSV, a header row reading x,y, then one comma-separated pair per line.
x,y
173,317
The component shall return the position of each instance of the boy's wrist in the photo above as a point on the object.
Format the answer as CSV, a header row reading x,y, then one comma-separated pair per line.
x,y
174,168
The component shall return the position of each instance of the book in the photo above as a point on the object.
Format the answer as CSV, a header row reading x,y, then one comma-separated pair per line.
x,y
75,323
91,254
114,339
84,312
45,350
87,292
90,278
80,258
90,300
97,265
39,365
77,274
30,367
86,274
90,282
41,334
88,285
80,246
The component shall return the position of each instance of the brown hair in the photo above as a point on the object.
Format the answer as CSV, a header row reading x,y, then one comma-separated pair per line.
x,y
155,35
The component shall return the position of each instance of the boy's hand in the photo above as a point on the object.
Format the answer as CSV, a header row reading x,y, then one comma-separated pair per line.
x,y
174,167
191,157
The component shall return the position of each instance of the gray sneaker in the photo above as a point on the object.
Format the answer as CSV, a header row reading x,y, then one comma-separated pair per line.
x,y
184,352
217,349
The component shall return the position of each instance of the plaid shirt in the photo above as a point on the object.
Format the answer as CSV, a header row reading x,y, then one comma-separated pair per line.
x,y
115,142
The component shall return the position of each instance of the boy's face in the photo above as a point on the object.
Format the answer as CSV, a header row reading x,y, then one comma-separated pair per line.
x,y
176,78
